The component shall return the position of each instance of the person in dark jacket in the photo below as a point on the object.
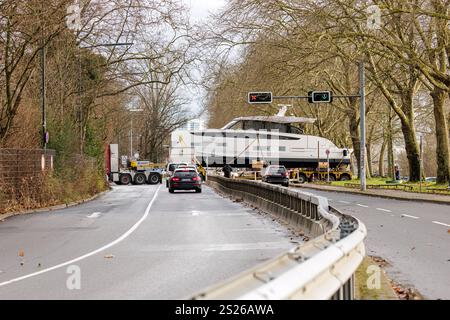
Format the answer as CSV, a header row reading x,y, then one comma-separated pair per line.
x,y
227,170
397,173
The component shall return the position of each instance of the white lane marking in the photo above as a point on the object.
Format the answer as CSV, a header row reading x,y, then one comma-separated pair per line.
x,y
87,255
408,216
345,202
441,223
94,215
362,206
249,229
196,213
384,210
246,246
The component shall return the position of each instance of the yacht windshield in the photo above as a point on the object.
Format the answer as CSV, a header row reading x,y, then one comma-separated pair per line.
x,y
262,125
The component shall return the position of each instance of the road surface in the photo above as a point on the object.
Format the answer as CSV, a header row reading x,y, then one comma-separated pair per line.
x,y
412,236
136,242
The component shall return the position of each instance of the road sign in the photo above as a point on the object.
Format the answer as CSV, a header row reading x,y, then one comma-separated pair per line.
x,y
320,97
46,137
260,98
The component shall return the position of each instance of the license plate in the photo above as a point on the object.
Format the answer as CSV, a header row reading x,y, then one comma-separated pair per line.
x,y
185,180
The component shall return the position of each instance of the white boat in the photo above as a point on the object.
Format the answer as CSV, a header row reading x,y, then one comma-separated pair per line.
x,y
272,139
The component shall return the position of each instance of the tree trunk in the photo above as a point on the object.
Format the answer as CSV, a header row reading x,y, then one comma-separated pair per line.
x,y
381,160
442,141
390,146
412,151
409,135
369,160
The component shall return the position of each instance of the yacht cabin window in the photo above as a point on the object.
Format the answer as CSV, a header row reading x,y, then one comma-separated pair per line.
x,y
263,125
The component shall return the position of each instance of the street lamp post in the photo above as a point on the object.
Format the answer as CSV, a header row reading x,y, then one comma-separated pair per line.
x,y
362,93
131,131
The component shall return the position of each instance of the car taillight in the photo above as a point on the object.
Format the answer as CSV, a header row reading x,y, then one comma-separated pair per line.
x,y
175,179
196,179
286,174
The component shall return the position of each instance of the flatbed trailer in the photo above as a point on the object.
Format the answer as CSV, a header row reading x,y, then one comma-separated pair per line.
x,y
302,175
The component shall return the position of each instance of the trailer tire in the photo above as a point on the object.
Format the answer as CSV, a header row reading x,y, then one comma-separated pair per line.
x,y
139,179
124,179
332,178
302,178
345,177
154,178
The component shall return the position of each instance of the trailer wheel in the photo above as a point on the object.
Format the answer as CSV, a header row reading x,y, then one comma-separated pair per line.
x,y
154,178
125,179
302,178
345,177
139,179
332,178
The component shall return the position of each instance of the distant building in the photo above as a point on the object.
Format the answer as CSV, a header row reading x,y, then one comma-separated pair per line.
x,y
193,125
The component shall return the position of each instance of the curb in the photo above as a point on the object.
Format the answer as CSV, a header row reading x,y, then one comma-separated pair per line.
x,y
315,187
53,208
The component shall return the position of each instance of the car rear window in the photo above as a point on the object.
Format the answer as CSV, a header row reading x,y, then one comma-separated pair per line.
x,y
185,174
277,170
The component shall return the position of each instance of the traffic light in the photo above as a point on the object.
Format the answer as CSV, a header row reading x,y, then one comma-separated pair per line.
x,y
260,97
320,97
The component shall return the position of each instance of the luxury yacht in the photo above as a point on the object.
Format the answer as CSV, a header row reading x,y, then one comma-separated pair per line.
x,y
275,139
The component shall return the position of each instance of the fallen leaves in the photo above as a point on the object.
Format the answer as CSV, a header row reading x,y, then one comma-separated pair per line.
x,y
406,293
21,253
109,256
380,261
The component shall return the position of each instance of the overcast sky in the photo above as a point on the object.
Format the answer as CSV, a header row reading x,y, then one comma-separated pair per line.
x,y
201,8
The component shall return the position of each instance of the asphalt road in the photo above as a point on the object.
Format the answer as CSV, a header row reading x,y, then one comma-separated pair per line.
x,y
412,236
136,242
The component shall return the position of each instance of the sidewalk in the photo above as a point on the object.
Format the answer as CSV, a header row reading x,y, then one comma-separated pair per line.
x,y
389,194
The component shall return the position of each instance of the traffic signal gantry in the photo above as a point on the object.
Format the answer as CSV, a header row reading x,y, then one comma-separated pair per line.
x,y
318,97
313,97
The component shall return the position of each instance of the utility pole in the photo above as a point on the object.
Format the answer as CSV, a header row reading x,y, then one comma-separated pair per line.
x,y
362,92
131,139
328,165
43,71
44,115
421,160
132,111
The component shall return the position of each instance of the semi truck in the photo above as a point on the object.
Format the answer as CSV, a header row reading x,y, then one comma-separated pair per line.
x,y
136,172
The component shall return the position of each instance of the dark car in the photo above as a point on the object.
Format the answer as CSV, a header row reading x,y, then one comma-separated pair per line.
x,y
185,179
171,167
276,175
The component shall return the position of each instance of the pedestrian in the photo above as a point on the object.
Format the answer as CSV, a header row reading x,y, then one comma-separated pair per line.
x,y
397,173
227,170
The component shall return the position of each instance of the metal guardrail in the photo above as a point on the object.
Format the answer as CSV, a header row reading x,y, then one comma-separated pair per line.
x,y
322,268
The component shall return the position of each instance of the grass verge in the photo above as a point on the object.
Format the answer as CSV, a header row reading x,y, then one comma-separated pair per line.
x,y
363,277
426,187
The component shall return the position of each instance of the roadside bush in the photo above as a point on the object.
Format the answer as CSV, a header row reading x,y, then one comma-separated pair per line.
x,y
79,178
